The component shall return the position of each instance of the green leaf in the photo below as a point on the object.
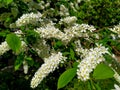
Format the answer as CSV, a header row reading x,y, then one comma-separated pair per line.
x,y
14,11
29,60
19,61
103,71
72,54
75,64
14,42
9,1
66,77
97,87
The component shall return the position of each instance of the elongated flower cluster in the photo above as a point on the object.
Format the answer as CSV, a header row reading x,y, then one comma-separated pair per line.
x,y
117,77
78,30
50,32
51,63
75,30
93,57
30,18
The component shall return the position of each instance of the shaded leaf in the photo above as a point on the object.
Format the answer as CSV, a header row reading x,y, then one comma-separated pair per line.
x,y
72,54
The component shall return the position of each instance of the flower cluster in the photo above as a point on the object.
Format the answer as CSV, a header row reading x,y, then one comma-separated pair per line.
x,y
51,63
25,67
63,11
30,18
117,76
43,5
69,20
116,29
93,57
76,30
116,87
49,31
4,47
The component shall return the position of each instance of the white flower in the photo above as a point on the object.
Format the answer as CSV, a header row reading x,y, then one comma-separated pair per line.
x,y
116,29
4,47
50,32
63,11
86,27
30,18
116,87
90,60
51,63
69,20
75,30
25,67
117,76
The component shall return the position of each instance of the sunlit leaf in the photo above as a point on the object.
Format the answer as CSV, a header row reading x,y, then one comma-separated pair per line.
x,y
103,71
66,77
14,42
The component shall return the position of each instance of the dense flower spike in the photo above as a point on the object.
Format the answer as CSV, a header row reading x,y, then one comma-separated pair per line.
x,y
51,63
93,57
50,32
117,76
31,18
76,30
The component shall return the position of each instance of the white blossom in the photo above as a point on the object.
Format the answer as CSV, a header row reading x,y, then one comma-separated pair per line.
x,y
73,7
117,76
50,32
51,63
25,67
76,30
4,47
30,18
116,29
63,11
116,87
69,20
90,60
86,27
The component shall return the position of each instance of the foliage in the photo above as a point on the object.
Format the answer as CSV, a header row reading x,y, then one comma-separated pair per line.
x,y
70,38
98,72
66,77
14,42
